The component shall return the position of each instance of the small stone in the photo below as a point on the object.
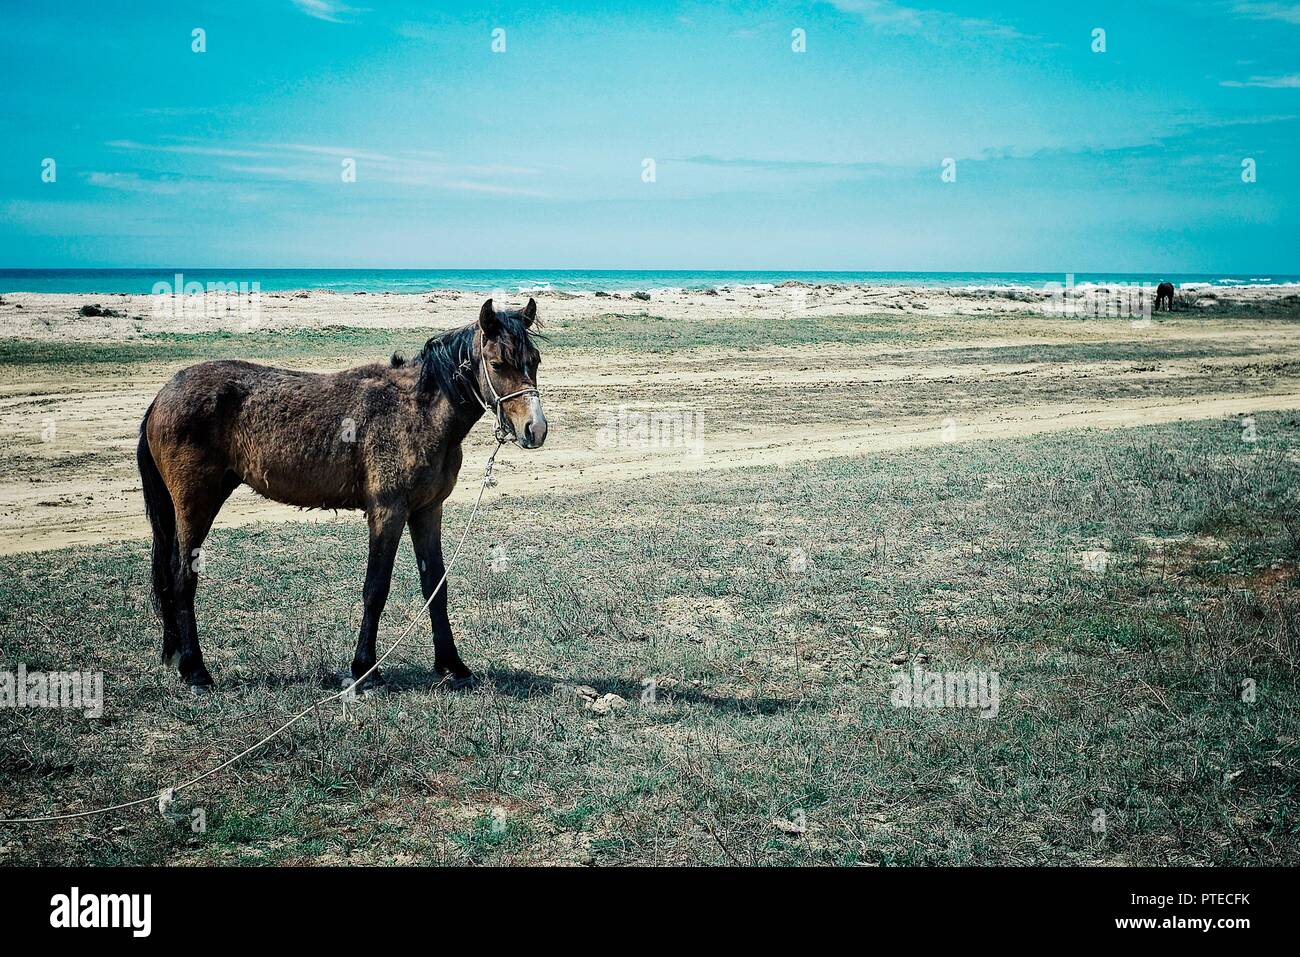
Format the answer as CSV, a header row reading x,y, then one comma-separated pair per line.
x,y
606,703
898,659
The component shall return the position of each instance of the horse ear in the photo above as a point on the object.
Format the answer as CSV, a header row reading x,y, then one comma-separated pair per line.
x,y
488,321
530,312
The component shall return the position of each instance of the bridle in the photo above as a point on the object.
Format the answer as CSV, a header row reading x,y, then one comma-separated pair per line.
x,y
501,431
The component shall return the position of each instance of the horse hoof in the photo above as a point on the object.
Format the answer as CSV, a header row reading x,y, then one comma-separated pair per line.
x,y
460,683
200,691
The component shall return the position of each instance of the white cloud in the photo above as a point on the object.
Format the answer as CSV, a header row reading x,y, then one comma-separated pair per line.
x,y
404,174
893,17
343,152
468,186
305,173
882,13
1286,12
1289,81
329,10
319,163
179,148
133,183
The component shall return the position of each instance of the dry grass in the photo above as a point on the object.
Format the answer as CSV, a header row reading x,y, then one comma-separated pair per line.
x,y
1121,690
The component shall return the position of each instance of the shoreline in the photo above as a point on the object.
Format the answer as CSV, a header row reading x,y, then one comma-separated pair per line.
x,y
120,317
595,284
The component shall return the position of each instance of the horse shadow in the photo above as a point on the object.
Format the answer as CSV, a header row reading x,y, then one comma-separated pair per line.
x,y
520,683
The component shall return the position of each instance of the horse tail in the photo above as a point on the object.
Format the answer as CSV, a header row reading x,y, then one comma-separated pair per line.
x,y
162,517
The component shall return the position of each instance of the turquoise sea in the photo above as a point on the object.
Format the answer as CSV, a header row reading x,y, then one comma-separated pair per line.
x,y
571,280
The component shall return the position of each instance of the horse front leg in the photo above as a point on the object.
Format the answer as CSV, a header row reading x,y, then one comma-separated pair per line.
x,y
385,533
426,539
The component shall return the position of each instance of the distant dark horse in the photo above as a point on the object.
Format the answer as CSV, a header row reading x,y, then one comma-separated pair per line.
x,y
1165,294
384,438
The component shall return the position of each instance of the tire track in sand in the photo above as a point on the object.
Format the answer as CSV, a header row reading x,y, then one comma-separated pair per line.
x,y
117,513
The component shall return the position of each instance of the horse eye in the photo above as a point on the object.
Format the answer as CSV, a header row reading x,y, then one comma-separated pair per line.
x,y
499,366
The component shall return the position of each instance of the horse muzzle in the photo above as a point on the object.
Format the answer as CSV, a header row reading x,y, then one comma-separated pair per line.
x,y
533,433
528,429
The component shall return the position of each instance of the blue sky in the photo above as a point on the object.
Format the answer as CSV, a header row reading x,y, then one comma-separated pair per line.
x,y
1066,159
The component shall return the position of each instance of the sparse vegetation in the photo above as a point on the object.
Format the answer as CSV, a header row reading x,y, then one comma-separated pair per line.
x,y
96,310
642,332
1122,689
1121,686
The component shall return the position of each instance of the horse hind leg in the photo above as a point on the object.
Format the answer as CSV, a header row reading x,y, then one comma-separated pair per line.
x,y
162,519
385,535
164,559
196,508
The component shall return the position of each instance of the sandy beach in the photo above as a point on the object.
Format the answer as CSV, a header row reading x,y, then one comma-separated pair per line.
x,y
54,316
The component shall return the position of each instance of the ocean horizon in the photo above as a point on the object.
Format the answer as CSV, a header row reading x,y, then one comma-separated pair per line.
x,y
515,281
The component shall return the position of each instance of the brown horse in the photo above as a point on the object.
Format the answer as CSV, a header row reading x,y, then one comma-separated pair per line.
x,y
1165,296
384,438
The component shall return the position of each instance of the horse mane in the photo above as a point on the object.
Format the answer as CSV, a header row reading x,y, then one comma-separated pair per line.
x,y
443,359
